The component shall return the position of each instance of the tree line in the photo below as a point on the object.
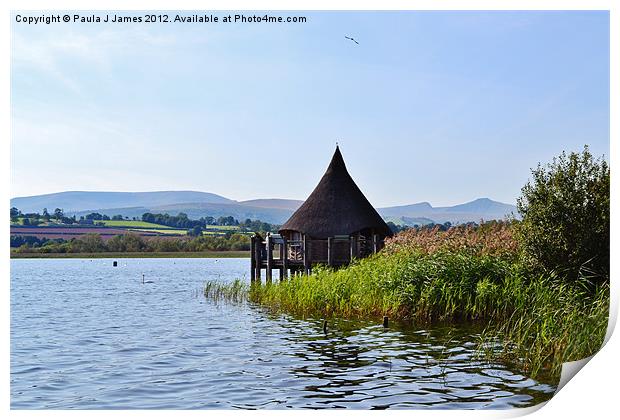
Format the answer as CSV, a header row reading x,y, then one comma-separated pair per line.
x,y
130,242
443,227
180,221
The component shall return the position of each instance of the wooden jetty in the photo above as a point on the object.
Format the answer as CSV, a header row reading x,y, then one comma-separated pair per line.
x,y
334,226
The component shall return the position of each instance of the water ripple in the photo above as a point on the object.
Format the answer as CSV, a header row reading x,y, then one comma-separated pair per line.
x,y
90,336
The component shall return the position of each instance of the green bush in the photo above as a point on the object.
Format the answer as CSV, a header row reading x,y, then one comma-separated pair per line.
x,y
565,217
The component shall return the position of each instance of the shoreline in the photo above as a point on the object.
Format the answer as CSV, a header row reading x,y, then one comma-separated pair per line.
x,y
119,255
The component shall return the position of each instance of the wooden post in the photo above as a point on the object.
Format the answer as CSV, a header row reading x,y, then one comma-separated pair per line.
x,y
258,245
330,249
253,259
269,258
307,262
374,243
284,271
352,244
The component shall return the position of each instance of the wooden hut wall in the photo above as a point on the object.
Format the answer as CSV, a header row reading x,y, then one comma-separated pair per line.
x,y
318,250
341,252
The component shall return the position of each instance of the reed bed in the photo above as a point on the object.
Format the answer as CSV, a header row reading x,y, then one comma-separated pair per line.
x,y
492,238
426,277
236,292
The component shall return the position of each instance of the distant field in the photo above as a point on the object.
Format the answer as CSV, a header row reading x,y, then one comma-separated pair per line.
x,y
203,254
68,232
162,228
109,228
217,227
170,231
133,224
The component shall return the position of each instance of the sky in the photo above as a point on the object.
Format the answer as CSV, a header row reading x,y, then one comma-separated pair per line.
x,y
443,107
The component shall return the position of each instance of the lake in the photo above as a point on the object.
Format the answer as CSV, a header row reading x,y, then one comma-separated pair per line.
x,y
87,335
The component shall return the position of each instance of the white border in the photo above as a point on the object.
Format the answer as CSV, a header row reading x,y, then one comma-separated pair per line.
x,y
593,393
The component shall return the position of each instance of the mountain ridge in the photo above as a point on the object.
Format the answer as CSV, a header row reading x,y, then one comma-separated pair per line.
x,y
74,201
274,210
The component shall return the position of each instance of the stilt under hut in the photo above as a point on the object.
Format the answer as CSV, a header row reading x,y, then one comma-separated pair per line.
x,y
334,226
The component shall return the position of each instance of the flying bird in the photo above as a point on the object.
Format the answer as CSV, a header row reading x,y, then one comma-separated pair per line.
x,y
351,39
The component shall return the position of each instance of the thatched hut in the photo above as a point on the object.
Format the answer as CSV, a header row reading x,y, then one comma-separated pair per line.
x,y
335,225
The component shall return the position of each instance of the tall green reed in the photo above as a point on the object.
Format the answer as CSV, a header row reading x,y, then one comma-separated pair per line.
x,y
465,274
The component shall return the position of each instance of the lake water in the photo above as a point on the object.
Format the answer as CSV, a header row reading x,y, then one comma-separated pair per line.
x,y
87,335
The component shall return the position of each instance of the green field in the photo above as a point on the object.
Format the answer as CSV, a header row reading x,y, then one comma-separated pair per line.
x,y
132,224
139,225
170,231
217,227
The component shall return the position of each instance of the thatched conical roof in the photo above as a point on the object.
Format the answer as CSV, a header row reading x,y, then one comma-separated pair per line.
x,y
336,207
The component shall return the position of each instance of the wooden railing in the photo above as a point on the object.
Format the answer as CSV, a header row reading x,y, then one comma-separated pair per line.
x,y
276,252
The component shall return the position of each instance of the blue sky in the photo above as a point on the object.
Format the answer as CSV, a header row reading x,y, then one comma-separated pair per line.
x,y
442,107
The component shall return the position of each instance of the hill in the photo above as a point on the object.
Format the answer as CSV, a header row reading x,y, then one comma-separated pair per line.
x,y
473,211
274,203
238,211
198,204
76,201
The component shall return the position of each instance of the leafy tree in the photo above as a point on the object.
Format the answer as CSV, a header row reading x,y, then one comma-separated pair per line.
x,y
396,228
58,213
195,231
68,220
30,241
15,212
90,242
227,221
565,216
249,225
94,216
115,244
179,221
134,243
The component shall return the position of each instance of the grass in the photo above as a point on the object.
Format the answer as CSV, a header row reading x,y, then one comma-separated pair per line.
x,y
218,227
154,227
462,275
541,322
132,224
237,291
139,225
166,231
550,323
199,254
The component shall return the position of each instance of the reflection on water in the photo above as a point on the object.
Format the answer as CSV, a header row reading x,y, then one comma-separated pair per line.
x,y
362,365
87,335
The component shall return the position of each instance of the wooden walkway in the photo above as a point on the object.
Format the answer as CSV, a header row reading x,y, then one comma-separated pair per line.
x,y
292,257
